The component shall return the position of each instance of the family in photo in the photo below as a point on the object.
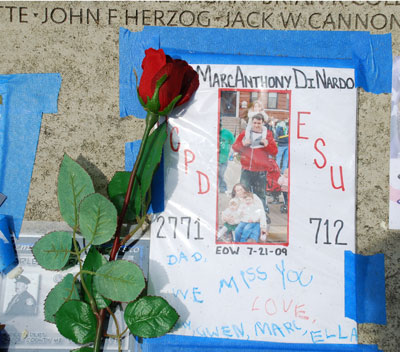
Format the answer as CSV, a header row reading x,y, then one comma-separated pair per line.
x,y
253,174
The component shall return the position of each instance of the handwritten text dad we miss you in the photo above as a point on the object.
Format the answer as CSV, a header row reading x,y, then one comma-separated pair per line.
x,y
319,79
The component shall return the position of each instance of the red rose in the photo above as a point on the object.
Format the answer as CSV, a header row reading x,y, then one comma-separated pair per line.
x,y
181,80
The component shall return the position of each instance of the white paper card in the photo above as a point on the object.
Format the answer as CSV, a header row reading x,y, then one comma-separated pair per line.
x,y
288,287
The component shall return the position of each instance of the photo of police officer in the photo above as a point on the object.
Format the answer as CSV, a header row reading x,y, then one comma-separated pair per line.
x,y
22,303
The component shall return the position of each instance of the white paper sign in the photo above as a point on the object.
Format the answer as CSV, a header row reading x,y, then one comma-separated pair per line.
x,y
213,255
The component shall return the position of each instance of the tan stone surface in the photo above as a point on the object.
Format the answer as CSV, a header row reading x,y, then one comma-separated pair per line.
x,y
88,126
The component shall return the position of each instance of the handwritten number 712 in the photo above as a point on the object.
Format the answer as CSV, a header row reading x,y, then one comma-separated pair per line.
x,y
337,226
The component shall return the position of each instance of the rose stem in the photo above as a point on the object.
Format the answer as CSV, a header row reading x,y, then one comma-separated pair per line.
x,y
117,243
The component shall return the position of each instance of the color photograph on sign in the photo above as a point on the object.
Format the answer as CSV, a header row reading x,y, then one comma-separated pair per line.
x,y
253,135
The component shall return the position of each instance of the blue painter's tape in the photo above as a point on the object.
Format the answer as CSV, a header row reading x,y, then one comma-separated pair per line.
x,y
256,60
176,343
365,288
157,186
25,97
131,153
370,54
8,258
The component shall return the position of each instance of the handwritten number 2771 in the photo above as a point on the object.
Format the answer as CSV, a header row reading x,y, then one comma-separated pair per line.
x,y
337,225
183,226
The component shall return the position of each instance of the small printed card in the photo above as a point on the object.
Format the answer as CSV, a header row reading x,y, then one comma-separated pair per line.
x,y
22,302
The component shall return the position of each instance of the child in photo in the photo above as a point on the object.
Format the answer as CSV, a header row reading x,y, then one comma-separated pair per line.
x,y
256,109
231,218
248,229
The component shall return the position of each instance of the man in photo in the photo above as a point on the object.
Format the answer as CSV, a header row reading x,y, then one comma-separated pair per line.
x,y
255,153
23,302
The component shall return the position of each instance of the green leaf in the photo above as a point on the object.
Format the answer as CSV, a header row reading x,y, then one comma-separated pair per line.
x,y
76,321
94,260
148,165
118,184
57,296
97,219
74,184
116,191
119,280
150,317
52,251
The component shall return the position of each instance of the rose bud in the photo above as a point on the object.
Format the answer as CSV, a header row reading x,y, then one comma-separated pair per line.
x,y
165,82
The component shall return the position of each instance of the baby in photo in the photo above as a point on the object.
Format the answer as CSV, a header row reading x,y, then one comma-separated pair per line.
x,y
231,218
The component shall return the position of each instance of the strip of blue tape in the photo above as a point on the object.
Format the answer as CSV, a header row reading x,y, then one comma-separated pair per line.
x,y
370,54
25,98
157,185
176,343
365,300
8,257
